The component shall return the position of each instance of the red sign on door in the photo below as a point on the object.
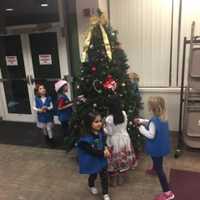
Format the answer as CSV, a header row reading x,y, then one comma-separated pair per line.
x,y
45,59
11,61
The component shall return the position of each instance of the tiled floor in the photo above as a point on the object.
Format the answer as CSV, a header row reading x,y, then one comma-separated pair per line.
x,y
43,174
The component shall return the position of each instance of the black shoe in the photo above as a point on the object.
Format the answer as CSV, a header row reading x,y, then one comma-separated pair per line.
x,y
51,143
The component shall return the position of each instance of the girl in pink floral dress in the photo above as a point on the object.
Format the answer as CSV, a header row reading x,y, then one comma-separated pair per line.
x,y
118,140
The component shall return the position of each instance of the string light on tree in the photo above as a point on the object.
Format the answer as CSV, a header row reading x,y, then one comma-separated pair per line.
x,y
130,123
123,84
94,69
130,110
94,105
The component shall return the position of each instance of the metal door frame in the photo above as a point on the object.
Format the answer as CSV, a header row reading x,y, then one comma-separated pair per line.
x,y
28,65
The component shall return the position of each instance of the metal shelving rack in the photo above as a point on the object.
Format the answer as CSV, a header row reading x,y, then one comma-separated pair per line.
x,y
189,118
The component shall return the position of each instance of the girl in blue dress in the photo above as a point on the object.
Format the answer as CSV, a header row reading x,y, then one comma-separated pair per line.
x,y
93,154
64,106
43,105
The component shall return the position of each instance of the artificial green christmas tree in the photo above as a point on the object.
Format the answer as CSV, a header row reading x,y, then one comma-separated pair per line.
x,y
103,74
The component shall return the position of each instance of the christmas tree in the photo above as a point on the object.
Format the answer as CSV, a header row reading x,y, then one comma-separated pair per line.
x,y
103,74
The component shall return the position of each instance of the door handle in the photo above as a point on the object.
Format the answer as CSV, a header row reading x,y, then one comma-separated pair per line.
x,y
28,79
32,80
13,79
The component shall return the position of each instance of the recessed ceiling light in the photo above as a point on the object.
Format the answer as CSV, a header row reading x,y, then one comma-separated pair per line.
x,y
44,4
9,9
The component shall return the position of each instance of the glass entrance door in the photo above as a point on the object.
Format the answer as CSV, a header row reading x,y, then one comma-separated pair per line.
x,y
14,79
27,60
45,58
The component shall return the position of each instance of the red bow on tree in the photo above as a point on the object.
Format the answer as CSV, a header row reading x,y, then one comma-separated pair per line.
x,y
110,83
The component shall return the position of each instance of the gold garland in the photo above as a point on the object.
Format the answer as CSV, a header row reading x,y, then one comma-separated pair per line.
x,y
94,20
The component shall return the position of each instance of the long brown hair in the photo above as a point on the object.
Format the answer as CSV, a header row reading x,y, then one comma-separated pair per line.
x,y
89,119
115,109
37,88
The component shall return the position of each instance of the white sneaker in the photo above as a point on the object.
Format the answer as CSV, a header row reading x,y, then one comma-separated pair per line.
x,y
93,190
106,197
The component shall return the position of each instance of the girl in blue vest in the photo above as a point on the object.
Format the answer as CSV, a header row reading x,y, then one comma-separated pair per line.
x,y
156,131
64,105
93,154
43,106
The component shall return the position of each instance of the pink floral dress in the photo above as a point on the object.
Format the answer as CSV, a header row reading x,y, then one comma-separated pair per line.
x,y
118,141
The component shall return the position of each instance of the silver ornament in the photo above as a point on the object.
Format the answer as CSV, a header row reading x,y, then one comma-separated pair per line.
x,y
94,105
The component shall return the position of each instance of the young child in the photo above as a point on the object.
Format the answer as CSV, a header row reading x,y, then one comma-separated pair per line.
x,y
118,140
134,78
157,142
44,106
93,154
64,105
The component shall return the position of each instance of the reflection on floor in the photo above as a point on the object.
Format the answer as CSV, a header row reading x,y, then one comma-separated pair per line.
x,y
27,134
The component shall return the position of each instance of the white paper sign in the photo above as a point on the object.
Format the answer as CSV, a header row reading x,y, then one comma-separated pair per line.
x,y
11,61
45,59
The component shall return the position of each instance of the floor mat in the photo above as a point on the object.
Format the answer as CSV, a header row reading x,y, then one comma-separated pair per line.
x,y
27,134
185,184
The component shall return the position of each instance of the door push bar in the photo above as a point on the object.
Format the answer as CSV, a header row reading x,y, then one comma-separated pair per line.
x,y
31,80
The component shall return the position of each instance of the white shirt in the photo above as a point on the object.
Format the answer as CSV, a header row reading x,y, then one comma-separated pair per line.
x,y
43,99
149,133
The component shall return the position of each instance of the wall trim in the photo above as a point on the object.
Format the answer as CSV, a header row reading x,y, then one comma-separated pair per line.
x,y
160,90
171,44
179,41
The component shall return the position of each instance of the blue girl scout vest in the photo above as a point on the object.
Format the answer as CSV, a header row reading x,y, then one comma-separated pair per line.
x,y
46,116
65,114
160,144
88,163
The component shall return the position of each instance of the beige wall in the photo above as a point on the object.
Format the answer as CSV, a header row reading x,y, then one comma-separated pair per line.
x,y
145,31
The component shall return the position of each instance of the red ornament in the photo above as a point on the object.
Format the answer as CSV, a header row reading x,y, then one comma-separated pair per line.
x,y
110,83
94,69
